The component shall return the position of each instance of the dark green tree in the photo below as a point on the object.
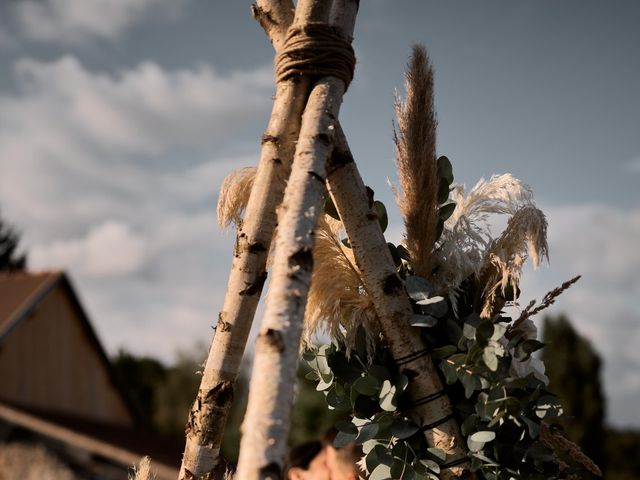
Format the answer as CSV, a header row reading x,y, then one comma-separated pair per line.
x,y
573,368
141,377
10,258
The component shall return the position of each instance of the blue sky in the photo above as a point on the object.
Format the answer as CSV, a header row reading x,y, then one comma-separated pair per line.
x,y
120,118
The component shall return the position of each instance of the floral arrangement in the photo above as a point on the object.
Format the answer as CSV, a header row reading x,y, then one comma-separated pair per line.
x,y
462,282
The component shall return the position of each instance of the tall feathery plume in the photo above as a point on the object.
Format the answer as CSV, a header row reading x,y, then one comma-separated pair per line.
x,y
337,302
415,142
234,195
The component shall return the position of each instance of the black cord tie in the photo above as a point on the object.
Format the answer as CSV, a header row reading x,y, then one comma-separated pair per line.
x,y
427,399
412,356
317,50
437,423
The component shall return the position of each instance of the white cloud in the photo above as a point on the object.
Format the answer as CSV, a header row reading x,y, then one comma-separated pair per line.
x,y
600,243
74,21
110,248
77,145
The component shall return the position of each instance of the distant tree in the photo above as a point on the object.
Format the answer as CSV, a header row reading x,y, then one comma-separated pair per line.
x,y
623,455
141,377
573,367
10,259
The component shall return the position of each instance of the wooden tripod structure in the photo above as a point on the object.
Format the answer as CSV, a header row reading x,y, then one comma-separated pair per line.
x,y
304,154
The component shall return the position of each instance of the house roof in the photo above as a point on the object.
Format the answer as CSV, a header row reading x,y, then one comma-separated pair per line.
x,y
20,295
20,292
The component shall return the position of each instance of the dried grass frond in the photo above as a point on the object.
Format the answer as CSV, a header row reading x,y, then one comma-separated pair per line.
x,y
337,302
563,446
467,235
234,195
143,470
548,300
415,142
525,236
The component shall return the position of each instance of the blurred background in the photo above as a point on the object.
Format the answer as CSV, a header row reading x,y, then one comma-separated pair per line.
x,y
119,120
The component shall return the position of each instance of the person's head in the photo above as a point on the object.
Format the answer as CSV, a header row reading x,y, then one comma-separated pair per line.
x,y
342,462
308,462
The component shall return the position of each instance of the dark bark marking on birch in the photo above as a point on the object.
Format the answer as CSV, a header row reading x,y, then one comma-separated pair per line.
x,y
223,326
272,471
188,475
324,138
303,258
257,247
317,177
266,138
273,339
392,285
370,196
339,159
220,395
255,287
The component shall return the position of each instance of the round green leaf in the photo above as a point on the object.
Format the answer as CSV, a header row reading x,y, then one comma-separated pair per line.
x,y
381,211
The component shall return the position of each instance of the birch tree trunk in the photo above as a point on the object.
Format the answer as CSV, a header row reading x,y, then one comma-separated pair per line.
x,y
266,424
382,283
392,305
207,418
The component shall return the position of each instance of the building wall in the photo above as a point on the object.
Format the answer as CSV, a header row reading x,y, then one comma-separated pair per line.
x,y
47,362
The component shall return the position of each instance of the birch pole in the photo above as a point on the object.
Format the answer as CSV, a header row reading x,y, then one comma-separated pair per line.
x,y
266,424
208,415
389,297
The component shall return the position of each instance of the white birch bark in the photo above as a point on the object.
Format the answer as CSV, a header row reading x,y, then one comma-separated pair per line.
x,y
209,412
266,424
381,281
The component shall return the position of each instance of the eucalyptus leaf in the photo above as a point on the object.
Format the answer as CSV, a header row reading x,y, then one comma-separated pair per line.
x,y
346,427
444,351
393,250
381,472
445,169
438,453
426,321
342,439
431,465
366,385
402,429
443,191
367,432
381,211
330,208
404,253
418,288
490,358
445,211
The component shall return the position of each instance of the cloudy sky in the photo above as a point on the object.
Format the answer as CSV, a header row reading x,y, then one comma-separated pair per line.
x,y
120,118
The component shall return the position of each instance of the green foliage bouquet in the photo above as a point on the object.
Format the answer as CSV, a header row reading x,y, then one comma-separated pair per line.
x,y
462,283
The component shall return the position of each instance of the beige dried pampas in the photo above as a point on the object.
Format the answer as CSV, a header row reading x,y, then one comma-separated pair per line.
x,y
143,470
337,303
463,246
416,158
234,195
525,236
